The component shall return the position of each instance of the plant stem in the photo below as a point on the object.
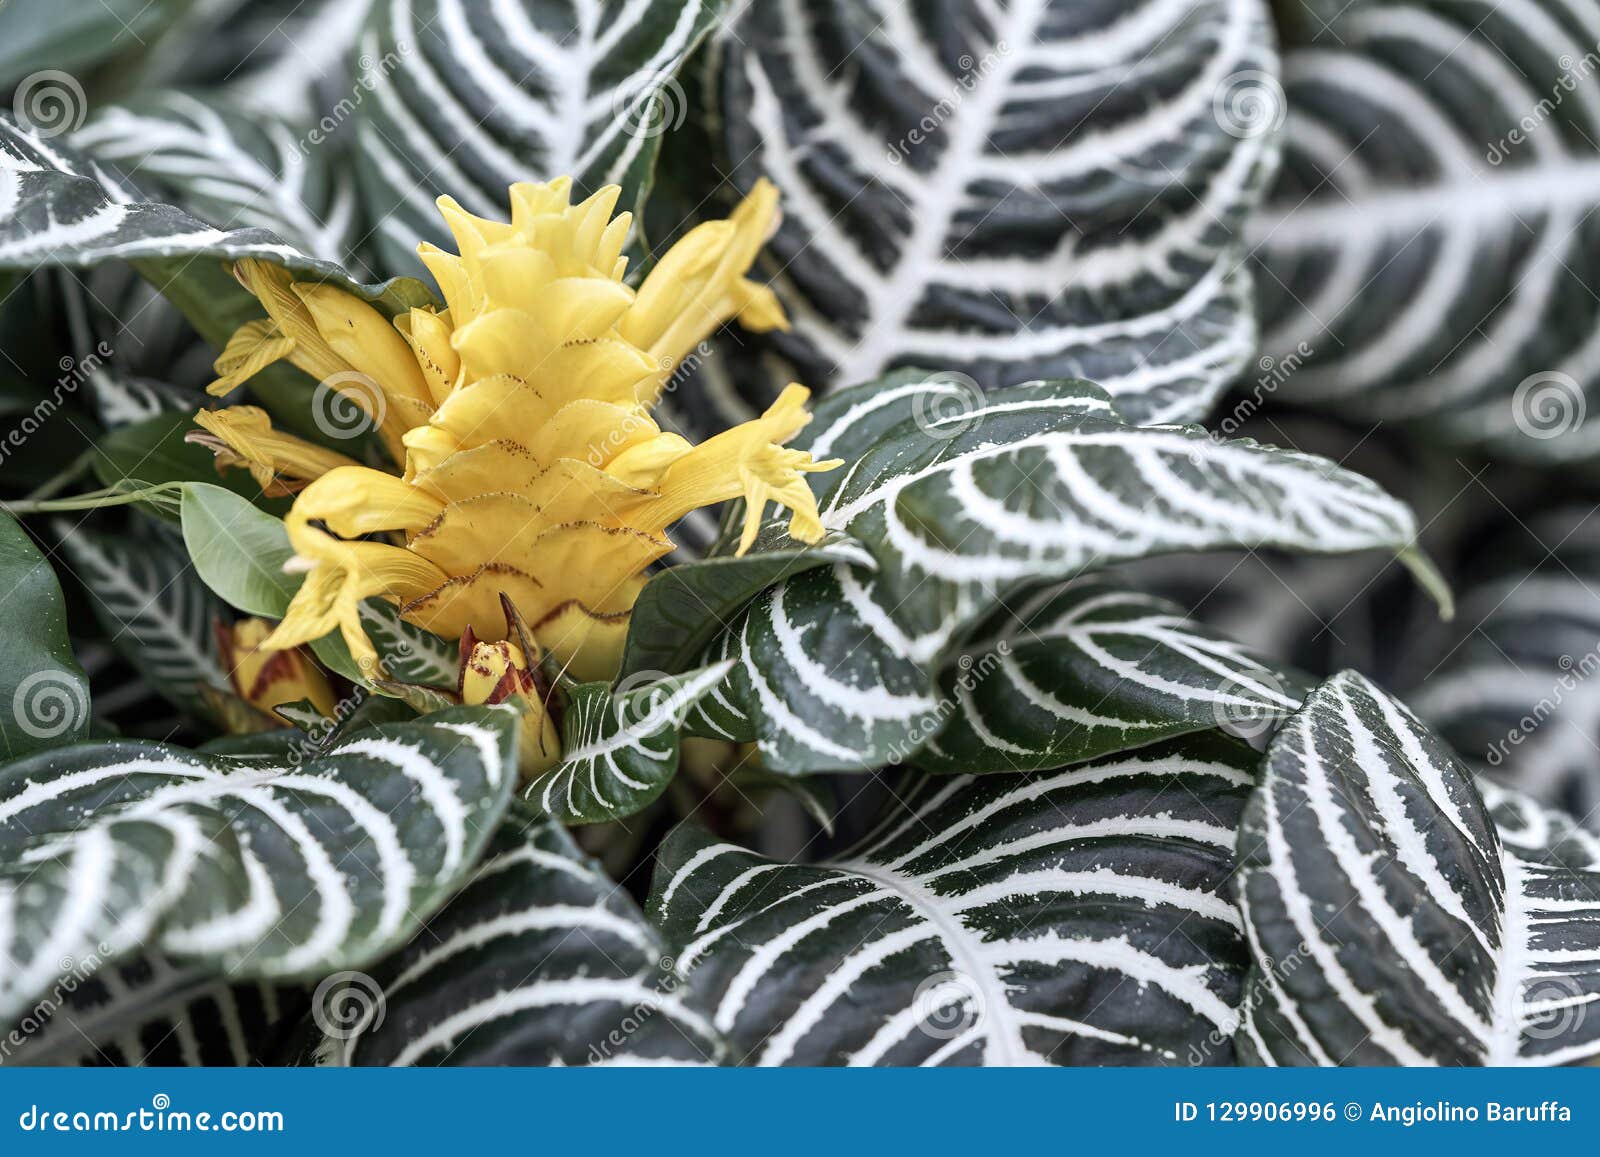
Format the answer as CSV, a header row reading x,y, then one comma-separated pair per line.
x,y
165,493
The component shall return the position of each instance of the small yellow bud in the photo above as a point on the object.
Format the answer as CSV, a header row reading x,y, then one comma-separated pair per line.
x,y
500,673
267,679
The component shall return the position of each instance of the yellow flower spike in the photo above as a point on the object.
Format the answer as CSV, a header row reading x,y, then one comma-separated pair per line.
x,y
280,463
532,466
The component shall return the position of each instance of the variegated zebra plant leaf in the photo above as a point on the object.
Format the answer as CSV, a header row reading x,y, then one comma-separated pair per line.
x,y
682,608
465,99
539,960
1429,241
1074,917
964,501
1044,188
619,745
151,1011
58,207
1390,922
258,869
153,607
233,167
1082,670
1516,687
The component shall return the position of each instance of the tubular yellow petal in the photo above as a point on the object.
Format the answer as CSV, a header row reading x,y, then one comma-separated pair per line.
x,y
279,462
270,284
339,577
747,460
700,283
356,500
252,348
366,340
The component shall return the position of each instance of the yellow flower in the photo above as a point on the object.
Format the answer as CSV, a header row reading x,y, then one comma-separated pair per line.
x,y
520,413
266,678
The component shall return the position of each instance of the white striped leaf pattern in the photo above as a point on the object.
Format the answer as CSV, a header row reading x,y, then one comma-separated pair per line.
x,y
1077,917
1389,922
1044,188
961,508
59,208
231,167
1083,670
152,606
1538,833
539,960
619,746
152,1011
257,869
1517,691
1431,236
465,98
682,607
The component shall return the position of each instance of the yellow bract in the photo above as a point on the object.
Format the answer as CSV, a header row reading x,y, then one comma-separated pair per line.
x,y
521,414
266,678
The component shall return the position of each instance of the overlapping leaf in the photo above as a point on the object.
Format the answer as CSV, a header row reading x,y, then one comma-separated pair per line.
x,y
1429,244
151,1011
153,607
261,869
1389,922
1077,917
619,745
1084,670
44,696
540,960
1039,189
58,208
232,168
465,99
962,508
1514,689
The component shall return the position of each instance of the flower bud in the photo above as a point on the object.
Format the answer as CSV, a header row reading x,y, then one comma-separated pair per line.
x,y
500,673
268,679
